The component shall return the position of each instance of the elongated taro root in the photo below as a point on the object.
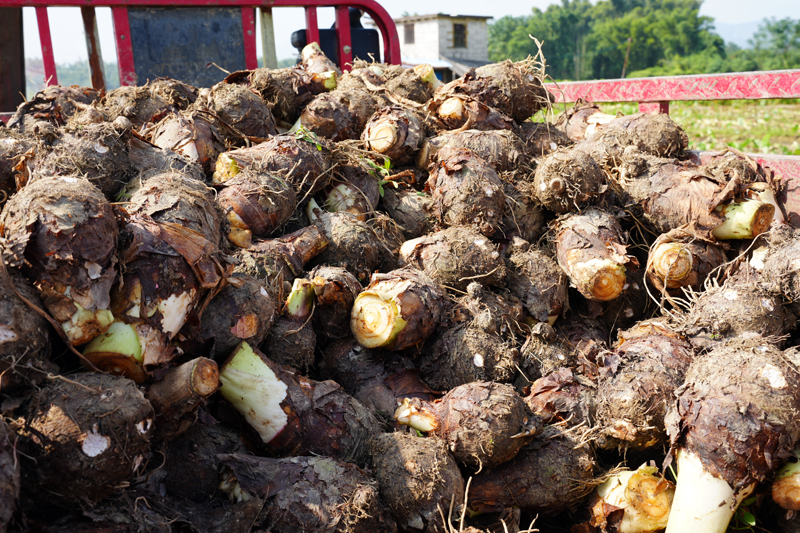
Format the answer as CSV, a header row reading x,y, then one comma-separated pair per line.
x,y
256,204
547,476
84,436
636,386
582,120
170,249
466,191
394,132
194,135
240,108
590,247
455,257
483,423
679,259
302,161
291,341
397,310
68,233
732,426
341,114
335,290
9,476
535,278
295,415
567,180
502,149
344,497
417,477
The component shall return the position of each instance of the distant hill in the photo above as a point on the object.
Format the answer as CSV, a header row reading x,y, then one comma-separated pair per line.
x,y
738,34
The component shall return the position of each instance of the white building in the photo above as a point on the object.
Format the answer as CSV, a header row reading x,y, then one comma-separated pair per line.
x,y
452,44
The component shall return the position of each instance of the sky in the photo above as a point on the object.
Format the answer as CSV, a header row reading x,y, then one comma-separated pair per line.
x,y
69,46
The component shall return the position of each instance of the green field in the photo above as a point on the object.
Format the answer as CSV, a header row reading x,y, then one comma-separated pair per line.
x,y
755,126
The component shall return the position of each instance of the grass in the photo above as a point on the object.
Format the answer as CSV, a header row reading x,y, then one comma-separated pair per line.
x,y
755,126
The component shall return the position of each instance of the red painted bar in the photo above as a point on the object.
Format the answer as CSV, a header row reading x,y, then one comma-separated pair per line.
x,y
654,107
122,34
249,32
50,76
312,26
343,34
739,86
6,116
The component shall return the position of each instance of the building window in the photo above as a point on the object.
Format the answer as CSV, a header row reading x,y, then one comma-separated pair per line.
x,y
408,33
459,35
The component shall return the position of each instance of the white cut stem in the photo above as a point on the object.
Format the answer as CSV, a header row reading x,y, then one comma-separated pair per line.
x,y
703,503
744,220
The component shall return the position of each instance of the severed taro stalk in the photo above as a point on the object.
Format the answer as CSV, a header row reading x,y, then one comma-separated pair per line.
x,y
395,133
536,279
240,108
314,60
590,247
731,427
466,191
582,120
417,477
455,257
502,149
542,139
353,190
567,180
194,135
301,160
335,290
291,341
341,114
548,476
786,485
397,310
170,248
342,493
632,501
460,113
256,204
679,259
67,231
293,415
636,386
84,437
483,423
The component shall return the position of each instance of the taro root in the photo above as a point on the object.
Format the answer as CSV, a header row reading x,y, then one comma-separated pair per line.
x,y
733,424
174,92
567,180
345,498
455,257
633,304
460,113
590,247
15,152
242,311
513,88
240,108
66,229
193,468
146,158
542,139
380,380
55,105
777,262
524,216
194,135
582,120
277,262
497,312
137,104
535,278
351,243
314,61
415,84
502,149
409,209
466,191
24,335
291,341
417,477
286,90
302,161
170,253
740,306
97,152
636,386
548,476
679,259
341,114
354,190
397,310
256,204
562,396
542,353
84,437
9,475
293,415
335,290
483,423
395,133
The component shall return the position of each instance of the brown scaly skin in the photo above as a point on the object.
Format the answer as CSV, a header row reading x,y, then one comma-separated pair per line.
x,y
577,121
535,278
524,216
194,135
353,189
352,244
417,476
341,114
346,499
174,92
9,475
240,108
402,144
502,149
499,312
636,386
543,352
780,268
13,161
409,209
137,104
85,434
567,180
466,191
335,290
455,257
483,423
735,410
55,104
471,115
542,139
562,396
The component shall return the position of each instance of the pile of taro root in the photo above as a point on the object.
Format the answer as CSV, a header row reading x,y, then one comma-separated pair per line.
x,y
304,300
